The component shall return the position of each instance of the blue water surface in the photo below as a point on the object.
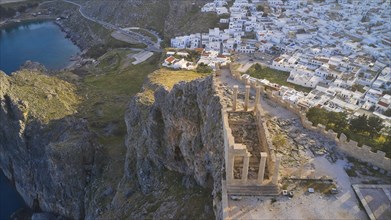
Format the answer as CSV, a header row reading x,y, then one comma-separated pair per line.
x,y
10,200
39,41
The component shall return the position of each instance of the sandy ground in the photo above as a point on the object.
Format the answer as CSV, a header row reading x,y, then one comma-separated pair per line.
x,y
303,205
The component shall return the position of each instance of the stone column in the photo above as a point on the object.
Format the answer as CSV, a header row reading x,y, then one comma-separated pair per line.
x,y
230,168
235,97
257,95
261,171
276,168
301,170
246,98
246,163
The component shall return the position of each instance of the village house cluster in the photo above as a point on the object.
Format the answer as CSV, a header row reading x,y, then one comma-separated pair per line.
x,y
339,48
181,60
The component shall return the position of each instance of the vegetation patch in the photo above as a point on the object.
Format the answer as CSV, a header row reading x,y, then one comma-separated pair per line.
x,y
147,97
47,97
274,76
357,167
203,68
168,78
98,50
8,10
365,130
108,93
319,186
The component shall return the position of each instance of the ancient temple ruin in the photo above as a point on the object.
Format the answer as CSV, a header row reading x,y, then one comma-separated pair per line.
x,y
251,164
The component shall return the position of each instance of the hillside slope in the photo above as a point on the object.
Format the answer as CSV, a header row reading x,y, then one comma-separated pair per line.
x,y
170,17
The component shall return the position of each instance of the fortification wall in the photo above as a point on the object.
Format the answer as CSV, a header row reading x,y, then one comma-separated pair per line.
x,y
350,148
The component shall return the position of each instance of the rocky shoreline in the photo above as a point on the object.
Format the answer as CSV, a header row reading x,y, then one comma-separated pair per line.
x,y
71,35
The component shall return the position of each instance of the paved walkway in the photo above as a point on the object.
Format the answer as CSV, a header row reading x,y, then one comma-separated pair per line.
x,y
141,57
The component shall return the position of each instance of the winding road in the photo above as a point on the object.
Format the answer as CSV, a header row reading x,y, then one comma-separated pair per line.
x,y
151,45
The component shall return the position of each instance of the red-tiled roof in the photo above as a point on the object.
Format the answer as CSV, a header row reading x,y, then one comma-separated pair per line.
x,y
199,50
383,104
170,59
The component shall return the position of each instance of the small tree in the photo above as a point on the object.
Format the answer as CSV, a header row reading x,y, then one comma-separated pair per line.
x,y
375,124
260,8
317,116
279,141
203,68
387,113
337,121
359,124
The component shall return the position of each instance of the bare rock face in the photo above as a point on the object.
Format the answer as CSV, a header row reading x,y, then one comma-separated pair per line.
x,y
169,17
181,131
49,164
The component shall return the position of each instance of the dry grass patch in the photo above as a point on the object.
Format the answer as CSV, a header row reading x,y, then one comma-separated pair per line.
x,y
47,97
147,97
168,78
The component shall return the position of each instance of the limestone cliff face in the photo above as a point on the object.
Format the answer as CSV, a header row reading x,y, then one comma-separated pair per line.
x,y
181,131
49,163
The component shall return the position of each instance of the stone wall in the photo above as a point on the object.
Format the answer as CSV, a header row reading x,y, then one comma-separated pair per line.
x,y
351,147
228,141
265,138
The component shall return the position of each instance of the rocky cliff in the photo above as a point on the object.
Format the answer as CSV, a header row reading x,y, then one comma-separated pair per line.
x,y
46,153
174,150
180,131
169,17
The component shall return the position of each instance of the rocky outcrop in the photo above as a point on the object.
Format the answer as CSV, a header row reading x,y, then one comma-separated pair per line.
x,y
49,163
182,132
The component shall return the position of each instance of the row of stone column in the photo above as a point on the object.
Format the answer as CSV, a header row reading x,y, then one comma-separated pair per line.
x,y
246,157
261,170
246,97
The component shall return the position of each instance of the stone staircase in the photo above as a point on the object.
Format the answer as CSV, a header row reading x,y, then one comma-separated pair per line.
x,y
266,190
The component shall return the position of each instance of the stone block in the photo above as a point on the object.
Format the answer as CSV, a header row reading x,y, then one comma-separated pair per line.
x,y
343,138
380,154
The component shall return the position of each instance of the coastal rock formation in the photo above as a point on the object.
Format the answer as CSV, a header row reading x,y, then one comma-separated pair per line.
x,y
49,162
182,132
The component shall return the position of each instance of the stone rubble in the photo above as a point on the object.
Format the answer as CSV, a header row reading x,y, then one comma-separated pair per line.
x,y
299,141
